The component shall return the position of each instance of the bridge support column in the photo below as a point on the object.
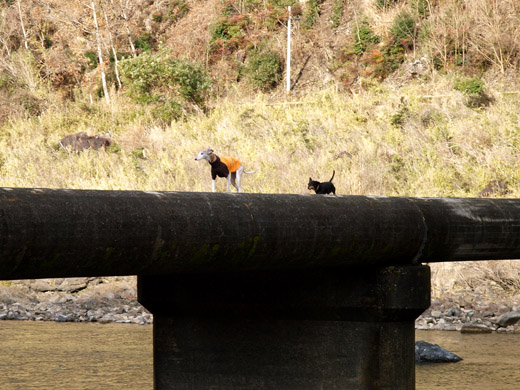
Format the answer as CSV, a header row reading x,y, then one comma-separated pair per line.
x,y
292,330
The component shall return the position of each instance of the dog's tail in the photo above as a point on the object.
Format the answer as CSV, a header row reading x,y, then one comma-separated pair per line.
x,y
250,171
333,173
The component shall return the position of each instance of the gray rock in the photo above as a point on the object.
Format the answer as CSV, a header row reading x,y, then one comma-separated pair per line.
x,y
418,67
72,285
111,295
107,318
80,141
432,353
452,312
61,284
61,318
507,319
104,299
13,315
475,328
40,285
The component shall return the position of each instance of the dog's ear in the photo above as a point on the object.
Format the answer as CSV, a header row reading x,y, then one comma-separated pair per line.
x,y
210,151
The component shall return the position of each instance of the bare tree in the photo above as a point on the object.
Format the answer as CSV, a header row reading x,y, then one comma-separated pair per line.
x,y
99,51
114,52
22,25
495,32
124,14
4,34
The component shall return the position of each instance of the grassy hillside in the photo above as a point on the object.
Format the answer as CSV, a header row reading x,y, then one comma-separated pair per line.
x,y
420,139
242,43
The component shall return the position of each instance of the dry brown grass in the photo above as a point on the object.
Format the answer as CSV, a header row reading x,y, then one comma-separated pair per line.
x,y
474,32
499,277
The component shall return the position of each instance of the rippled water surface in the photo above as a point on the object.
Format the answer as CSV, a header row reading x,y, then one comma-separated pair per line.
x,y
49,355
491,361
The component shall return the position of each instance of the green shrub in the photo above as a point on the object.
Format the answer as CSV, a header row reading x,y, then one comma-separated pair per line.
x,y
364,37
337,12
398,119
283,3
402,34
403,28
311,14
154,77
144,42
263,69
473,88
469,86
382,4
226,29
6,81
228,34
421,7
177,10
113,148
139,153
92,59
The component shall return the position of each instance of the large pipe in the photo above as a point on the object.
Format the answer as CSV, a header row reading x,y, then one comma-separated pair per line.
x,y
67,233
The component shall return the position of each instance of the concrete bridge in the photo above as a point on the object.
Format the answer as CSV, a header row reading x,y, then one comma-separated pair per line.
x,y
253,291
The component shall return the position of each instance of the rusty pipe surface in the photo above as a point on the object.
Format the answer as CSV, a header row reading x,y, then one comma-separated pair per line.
x,y
67,233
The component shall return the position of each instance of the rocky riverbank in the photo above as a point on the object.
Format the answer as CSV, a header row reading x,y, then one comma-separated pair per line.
x,y
114,299
73,300
483,310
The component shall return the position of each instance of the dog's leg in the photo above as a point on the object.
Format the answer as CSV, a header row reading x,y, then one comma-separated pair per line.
x,y
228,179
213,185
239,178
233,182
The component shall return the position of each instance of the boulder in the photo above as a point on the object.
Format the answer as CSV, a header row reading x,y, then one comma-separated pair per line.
x,y
507,319
418,67
69,285
475,328
432,353
61,318
80,141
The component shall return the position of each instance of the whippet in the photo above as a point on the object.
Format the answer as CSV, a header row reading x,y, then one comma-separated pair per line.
x,y
227,167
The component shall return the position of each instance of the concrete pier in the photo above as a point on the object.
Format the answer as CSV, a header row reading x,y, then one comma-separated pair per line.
x,y
311,330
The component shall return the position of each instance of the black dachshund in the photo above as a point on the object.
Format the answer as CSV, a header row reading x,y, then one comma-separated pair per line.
x,y
322,188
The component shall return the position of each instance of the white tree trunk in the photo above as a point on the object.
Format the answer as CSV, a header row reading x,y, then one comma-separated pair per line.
x,y
21,24
129,35
100,55
114,52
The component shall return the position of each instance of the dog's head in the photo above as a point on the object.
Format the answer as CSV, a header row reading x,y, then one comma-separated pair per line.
x,y
205,154
313,184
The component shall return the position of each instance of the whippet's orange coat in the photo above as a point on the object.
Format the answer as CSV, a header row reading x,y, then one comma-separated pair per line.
x,y
232,163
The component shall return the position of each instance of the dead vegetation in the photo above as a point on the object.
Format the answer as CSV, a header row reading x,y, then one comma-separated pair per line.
x,y
345,43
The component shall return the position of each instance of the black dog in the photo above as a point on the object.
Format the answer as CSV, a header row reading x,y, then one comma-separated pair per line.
x,y
322,188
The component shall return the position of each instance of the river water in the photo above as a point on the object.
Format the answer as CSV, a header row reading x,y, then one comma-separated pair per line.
x,y
74,356
491,361
81,356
